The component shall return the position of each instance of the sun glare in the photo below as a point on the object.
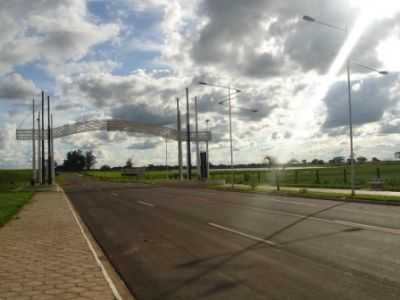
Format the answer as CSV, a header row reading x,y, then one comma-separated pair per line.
x,y
369,10
378,9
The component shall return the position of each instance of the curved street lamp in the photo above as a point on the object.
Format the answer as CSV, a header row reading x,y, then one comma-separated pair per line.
x,y
348,62
229,98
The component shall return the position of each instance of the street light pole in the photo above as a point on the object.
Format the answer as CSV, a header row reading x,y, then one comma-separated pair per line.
x,y
197,137
49,178
166,157
230,121
208,161
350,127
34,175
189,155
39,156
313,20
179,128
230,135
42,136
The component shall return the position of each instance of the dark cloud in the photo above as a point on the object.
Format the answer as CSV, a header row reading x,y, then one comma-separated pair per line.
x,y
230,38
143,113
236,31
111,137
369,102
145,145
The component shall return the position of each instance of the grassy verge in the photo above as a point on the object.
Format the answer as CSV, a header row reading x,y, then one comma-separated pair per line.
x,y
14,192
11,203
331,176
317,195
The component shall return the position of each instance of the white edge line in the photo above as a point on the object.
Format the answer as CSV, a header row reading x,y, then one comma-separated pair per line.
x,y
103,269
249,236
370,227
145,203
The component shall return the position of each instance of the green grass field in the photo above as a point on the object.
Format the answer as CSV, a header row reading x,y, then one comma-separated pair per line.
x,y
327,177
117,176
14,192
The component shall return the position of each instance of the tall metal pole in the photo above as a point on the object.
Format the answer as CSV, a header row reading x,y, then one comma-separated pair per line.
x,y
39,151
34,175
197,138
53,171
43,157
166,157
350,127
50,181
230,135
179,127
189,155
208,161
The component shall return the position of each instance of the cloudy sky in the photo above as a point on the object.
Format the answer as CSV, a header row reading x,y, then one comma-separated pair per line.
x,y
130,59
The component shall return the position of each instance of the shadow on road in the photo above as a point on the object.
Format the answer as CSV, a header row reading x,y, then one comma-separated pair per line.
x,y
232,255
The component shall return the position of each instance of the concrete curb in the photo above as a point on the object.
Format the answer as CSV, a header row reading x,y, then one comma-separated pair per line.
x,y
298,195
117,285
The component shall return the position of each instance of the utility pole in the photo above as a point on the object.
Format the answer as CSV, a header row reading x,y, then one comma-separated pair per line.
x,y
230,136
350,127
53,171
208,161
34,175
166,157
50,181
43,157
179,127
197,138
39,150
189,155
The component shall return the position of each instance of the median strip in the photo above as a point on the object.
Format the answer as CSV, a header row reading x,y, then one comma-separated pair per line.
x,y
145,203
246,235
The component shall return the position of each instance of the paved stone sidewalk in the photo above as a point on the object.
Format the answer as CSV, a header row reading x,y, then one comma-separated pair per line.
x,y
43,255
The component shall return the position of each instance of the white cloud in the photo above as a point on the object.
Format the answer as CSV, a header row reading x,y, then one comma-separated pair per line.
x,y
48,31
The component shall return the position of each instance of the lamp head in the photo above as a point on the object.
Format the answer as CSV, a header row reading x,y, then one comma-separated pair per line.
x,y
308,19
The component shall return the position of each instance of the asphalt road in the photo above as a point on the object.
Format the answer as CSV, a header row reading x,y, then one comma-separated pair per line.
x,y
181,243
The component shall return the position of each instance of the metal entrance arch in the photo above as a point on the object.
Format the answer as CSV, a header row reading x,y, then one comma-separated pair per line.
x,y
118,125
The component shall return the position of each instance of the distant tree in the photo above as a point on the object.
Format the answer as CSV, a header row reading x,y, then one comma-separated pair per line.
x,y
293,161
361,159
321,162
349,161
315,161
337,160
75,161
375,159
90,160
397,155
270,161
304,161
129,164
105,168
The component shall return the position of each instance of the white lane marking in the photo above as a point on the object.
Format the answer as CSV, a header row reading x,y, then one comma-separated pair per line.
x,y
145,203
370,227
249,236
114,194
293,202
98,261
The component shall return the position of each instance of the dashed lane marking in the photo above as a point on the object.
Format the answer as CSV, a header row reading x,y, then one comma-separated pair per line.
x,y
246,235
145,203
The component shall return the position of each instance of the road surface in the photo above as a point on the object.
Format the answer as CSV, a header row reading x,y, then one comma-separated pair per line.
x,y
188,243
